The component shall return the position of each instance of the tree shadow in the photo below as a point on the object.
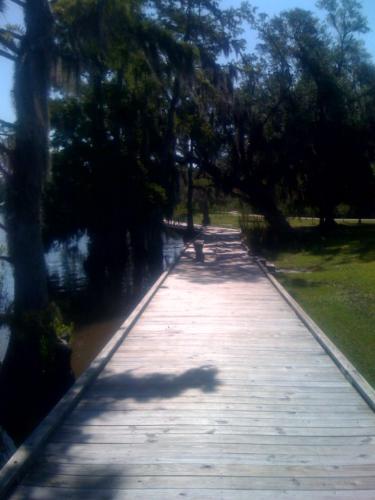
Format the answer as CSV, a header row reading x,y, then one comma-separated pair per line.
x,y
302,283
70,467
155,385
225,261
345,244
77,486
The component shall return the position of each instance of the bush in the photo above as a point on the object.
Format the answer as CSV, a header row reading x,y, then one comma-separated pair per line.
x,y
46,327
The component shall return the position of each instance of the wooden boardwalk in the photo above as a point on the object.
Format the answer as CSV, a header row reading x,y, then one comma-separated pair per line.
x,y
218,392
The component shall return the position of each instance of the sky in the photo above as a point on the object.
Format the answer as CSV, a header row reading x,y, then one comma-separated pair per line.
x,y
13,15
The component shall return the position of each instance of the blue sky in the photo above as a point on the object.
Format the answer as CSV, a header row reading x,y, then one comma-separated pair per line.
x,y
13,16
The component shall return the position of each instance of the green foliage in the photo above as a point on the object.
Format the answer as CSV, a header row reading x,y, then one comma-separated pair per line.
x,y
225,219
44,328
302,126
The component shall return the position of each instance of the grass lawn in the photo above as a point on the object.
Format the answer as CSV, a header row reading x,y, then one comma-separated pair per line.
x,y
232,219
221,219
225,219
333,278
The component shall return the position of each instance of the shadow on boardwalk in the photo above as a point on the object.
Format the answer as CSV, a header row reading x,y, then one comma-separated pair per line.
x,y
155,385
105,481
225,261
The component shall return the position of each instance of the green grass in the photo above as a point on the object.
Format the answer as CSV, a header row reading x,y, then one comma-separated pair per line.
x,y
225,219
333,278
314,221
221,219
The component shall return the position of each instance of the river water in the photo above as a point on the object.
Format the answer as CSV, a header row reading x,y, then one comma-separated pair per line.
x,y
68,281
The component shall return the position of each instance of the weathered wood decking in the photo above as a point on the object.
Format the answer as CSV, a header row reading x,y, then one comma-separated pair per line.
x,y
218,392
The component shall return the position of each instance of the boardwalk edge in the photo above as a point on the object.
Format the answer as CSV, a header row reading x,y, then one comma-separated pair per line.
x,y
16,467
341,361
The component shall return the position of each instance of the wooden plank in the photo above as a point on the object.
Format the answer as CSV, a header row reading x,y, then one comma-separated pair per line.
x,y
240,349
94,434
235,372
236,361
125,482
47,493
155,447
255,393
234,384
88,454
203,417
203,405
176,429
204,469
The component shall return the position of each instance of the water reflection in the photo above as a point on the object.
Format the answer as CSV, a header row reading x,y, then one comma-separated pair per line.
x,y
172,248
65,263
68,278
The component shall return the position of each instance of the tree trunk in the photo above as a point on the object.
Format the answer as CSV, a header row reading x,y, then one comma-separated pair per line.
x,y
206,221
139,257
168,168
189,205
36,370
276,219
326,219
96,264
107,226
35,374
155,244
30,159
262,198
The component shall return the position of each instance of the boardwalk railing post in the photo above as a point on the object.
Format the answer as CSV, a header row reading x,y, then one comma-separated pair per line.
x,y
198,247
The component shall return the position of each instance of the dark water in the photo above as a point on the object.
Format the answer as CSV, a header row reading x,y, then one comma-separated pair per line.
x,y
69,284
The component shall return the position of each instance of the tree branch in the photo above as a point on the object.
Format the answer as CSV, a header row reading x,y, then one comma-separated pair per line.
x,y
6,259
9,44
19,2
4,171
4,123
4,150
13,34
8,56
